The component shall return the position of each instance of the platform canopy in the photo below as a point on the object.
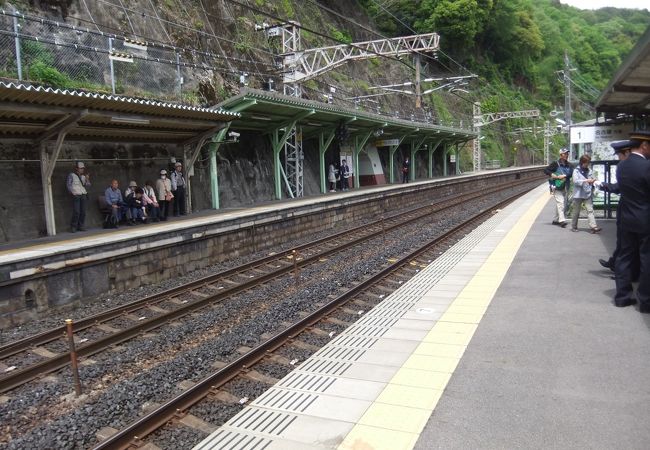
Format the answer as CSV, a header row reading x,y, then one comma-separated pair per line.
x,y
628,92
47,117
263,110
37,113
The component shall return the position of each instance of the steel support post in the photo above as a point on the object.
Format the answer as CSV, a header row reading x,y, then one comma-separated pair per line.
x,y
324,141
214,177
431,152
48,162
416,146
359,144
391,165
19,63
476,147
110,63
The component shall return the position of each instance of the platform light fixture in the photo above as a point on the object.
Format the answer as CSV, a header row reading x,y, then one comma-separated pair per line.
x,y
256,117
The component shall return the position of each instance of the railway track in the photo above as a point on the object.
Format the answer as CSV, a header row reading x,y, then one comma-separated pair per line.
x,y
387,278
50,350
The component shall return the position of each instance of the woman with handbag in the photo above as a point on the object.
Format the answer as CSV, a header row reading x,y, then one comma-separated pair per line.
x,y
583,193
164,194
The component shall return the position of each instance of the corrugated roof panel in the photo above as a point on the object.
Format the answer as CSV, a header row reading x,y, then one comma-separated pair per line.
x,y
23,93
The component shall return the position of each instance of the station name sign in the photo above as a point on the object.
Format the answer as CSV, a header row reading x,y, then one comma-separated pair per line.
x,y
600,133
387,143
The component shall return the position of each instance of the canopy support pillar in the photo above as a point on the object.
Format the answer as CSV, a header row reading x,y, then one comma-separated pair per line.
x,y
324,141
359,144
59,129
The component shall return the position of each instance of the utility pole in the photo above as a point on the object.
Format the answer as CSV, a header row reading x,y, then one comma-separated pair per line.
x,y
567,90
418,91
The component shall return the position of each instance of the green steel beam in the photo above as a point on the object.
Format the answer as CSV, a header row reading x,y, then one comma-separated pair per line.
x,y
243,105
324,141
432,150
358,146
416,146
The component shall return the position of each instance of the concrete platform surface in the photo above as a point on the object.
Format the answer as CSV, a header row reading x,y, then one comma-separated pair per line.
x,y
553,364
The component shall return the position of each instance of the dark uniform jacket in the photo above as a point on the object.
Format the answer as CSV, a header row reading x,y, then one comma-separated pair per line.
x,y
633,176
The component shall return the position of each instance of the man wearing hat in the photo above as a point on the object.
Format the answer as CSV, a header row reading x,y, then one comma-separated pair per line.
x,y
560,172
633,177
178,189
77,182
622,150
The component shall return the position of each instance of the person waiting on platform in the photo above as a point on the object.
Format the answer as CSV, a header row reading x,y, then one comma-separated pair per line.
x,y
113,197
560,172
406,166
331,177
130,190
77,182
345,175
151,204
178,189
633,176
164,194
135,204
583,192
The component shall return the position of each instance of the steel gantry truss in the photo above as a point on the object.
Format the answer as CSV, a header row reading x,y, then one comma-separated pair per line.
x,y
301,65
481,120
307,64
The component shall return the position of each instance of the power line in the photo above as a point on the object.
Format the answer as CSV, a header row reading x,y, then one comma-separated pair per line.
x,y
178,25
123,38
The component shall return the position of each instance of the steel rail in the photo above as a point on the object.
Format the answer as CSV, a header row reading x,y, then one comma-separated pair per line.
x,y
133,433
61,360
44,337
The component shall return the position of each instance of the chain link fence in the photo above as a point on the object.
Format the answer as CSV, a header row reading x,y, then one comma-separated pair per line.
x,y
67,57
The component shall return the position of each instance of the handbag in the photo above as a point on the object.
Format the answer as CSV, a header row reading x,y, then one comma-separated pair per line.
x,y
168,196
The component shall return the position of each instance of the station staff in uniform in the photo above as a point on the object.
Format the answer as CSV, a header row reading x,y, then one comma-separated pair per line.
x,y
622,151
633,177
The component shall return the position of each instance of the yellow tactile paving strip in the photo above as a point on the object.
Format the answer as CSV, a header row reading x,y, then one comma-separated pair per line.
x,y
398,416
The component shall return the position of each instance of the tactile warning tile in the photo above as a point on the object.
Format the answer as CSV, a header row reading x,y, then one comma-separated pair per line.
x,y
400,355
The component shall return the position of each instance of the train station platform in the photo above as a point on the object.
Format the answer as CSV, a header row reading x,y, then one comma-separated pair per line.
x,y
508,340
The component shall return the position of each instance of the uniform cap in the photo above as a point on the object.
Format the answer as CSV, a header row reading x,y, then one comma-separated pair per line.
x,y
621,146
133,184
80,165
163,172
640,135
564,150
